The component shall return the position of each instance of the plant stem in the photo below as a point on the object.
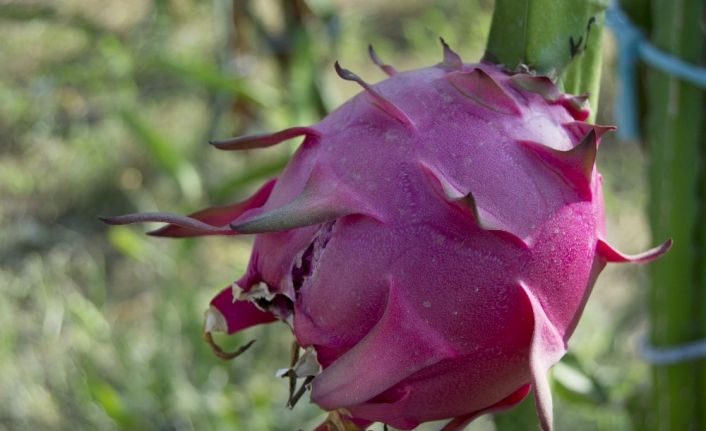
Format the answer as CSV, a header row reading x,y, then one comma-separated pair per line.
x,y
561,37
676,209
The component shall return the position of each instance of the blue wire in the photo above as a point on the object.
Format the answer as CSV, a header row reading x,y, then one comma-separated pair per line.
x,y
674,354
667,63
633,45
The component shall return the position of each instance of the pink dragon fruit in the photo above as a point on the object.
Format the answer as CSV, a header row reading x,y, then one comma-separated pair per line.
x,y
431,244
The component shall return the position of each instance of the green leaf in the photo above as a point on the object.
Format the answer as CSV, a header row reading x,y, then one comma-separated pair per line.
x,y
209,76
127,242
156,144
167,157
225,191
574,383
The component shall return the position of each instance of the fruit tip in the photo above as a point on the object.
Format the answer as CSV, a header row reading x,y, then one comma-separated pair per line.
x,y
347,74
451,59
611,254
157,232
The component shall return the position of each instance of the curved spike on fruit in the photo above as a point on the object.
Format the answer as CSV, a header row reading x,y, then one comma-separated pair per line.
x,y
461,422
612,255
389,70
222,354
577,106
575,165
441,183
263,140
172,219
484,90
397,399
487,221
323,199
541,85
584,154
348,380
378,100
546,348
451,59
229,314
580,129
217,216
484,219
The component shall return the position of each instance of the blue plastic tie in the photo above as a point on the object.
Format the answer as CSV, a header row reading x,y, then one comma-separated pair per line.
x,y
673,354
633,45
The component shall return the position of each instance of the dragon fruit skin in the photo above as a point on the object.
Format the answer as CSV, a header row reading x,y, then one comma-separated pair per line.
x,y
433,240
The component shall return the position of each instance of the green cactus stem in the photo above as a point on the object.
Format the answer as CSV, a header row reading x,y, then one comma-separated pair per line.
x,y
557,37
677,178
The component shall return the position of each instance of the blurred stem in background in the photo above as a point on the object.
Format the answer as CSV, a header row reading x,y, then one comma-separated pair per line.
x,y
292,47
677,209
556,37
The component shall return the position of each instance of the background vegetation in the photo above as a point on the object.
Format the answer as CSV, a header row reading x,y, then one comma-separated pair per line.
x,y
106,107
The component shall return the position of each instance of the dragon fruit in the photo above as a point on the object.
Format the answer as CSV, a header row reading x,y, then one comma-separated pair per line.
x,y
431,244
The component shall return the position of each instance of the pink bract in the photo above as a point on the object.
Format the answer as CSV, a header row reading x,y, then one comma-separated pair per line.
x,y
432,243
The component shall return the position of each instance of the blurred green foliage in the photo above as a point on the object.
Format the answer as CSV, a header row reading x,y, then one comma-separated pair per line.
x,y
106,107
